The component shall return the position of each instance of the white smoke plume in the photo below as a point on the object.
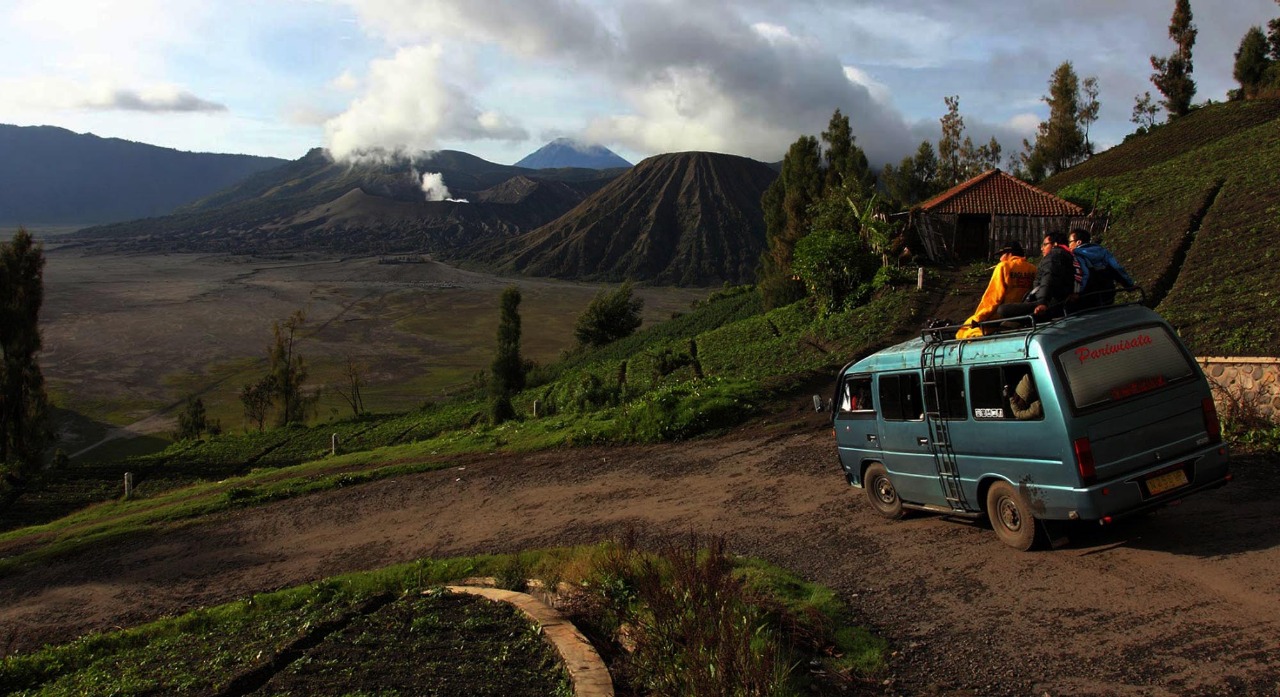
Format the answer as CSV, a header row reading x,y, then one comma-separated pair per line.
x,y
433,186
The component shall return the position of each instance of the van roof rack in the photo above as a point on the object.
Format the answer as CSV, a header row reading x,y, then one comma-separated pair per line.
x,y
1021,323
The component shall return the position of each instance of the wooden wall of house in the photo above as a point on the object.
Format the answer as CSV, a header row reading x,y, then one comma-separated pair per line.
x,y
937,232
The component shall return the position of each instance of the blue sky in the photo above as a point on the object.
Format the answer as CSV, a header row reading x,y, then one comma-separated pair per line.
x,y
499,78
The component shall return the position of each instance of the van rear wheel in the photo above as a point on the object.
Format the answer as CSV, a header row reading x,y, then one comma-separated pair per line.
x,y
1011,516
880,492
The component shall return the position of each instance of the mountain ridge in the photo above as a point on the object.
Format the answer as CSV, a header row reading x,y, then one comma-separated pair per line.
x,y
51,175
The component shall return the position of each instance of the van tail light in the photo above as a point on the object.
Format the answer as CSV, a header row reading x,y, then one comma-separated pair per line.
x,y
1084,461
1211,424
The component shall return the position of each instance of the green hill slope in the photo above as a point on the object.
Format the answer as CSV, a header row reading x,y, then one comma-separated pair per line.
x,y
1195,212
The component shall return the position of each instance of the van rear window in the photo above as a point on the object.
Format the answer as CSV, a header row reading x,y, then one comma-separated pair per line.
x,y
1126,364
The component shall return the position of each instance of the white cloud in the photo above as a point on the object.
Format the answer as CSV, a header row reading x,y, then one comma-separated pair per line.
x,y
159,99
878,91
741,76
346,82
1026,124
65,94
525,27
408,106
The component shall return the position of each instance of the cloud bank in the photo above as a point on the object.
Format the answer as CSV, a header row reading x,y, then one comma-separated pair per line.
x,y
692,76
408,106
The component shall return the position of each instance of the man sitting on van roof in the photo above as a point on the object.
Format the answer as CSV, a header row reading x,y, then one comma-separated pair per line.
x,y
1010,282
1055,282
1099,270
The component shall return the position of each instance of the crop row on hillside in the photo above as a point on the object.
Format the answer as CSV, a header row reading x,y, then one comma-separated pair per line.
x,y
1198,222
1165,142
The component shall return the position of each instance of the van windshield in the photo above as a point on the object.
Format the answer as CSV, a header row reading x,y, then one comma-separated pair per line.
x,y
1116,367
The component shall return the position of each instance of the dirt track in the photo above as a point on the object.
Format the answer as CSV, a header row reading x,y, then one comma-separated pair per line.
x,y
1181,603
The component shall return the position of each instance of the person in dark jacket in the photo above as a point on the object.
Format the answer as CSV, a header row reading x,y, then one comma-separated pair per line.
x,y
1055,282
1099,271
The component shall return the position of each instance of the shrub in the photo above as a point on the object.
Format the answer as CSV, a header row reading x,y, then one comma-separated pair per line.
x,y
692,408
695,625
609,317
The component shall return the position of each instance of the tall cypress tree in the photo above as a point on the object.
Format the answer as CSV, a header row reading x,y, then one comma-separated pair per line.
x,y
508,368
1173,73
847,165
787,217
24,408
950,167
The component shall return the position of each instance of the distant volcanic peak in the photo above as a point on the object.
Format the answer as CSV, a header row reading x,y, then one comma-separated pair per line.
x,y
686,218
567,152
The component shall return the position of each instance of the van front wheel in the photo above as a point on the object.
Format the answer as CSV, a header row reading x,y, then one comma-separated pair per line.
x,y
880,491
1011,516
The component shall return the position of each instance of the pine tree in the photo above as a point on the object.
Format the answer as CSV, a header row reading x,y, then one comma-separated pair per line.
x,y
1172,74
787,218
1251,62
847,165
950,166
24,408
508,368
1059,141
915,178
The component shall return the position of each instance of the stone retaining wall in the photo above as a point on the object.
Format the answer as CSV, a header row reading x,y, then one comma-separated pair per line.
x,y
1244,383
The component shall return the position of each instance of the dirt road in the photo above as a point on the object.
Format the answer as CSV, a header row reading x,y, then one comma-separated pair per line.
x,y
1185,602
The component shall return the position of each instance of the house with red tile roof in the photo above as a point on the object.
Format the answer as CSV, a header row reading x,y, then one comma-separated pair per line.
x,y
974,218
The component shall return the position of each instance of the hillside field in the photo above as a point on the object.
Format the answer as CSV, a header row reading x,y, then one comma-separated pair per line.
x,y
1195,214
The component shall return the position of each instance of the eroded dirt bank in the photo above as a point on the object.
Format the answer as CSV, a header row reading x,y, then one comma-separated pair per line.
x,y
1186,602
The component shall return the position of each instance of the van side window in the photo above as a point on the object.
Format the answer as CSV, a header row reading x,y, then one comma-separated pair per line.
x,y
950,388
855,397
1006,392
900,397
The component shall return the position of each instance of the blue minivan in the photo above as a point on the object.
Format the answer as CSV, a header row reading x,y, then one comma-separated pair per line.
x,y
1095,416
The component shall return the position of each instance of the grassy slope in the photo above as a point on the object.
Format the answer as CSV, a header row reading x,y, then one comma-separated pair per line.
x,y
614,394
1199,214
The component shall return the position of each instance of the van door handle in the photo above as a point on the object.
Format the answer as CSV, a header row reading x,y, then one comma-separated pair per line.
x,y
921,440
871,438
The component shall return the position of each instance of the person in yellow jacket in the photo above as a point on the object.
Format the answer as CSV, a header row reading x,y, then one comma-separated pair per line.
x,y
1010,282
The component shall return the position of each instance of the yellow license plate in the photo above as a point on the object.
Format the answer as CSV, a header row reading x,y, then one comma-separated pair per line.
x,y
1166,482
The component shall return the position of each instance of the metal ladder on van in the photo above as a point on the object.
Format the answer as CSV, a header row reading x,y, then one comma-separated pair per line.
x,y
944,456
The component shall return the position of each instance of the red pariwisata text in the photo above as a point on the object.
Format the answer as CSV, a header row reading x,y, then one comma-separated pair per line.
x,y
1084,353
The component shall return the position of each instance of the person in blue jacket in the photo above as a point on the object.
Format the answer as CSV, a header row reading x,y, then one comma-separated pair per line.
x,y
1098,270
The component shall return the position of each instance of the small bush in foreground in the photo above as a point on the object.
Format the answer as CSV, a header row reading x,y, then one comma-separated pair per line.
x,y
693,620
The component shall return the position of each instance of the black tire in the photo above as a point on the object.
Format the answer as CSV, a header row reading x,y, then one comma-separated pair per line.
x,y
881,494
1011,517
